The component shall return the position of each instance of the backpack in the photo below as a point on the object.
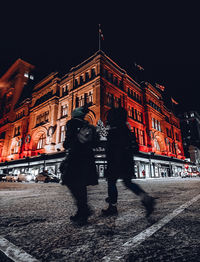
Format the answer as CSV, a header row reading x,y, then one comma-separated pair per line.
x,y
85,134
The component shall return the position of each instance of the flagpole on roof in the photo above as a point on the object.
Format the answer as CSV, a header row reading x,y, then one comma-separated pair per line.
x,y
99,37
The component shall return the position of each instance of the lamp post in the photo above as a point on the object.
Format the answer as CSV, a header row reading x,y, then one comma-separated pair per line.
x,y
44,157
150,163
7,165
27,159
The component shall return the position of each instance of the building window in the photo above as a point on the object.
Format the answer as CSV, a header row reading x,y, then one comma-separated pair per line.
x,y
90,97
169,134
156,145
65,90
15,148
81,80
159,127
116,81
87,77
76,83
132,114
156,124
93,73
3,135
139,116
64,110
153,123
136,116
141,137
129,111
106,74
17,131
62,134
81,101
41,142
110,99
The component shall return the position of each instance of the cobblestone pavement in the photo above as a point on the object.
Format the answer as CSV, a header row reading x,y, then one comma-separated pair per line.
x,y
35,217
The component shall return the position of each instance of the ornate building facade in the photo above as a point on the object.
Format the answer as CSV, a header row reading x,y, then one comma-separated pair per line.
x,y
33,116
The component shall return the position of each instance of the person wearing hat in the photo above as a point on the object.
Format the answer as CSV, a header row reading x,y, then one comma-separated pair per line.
x,y
120,149
80,169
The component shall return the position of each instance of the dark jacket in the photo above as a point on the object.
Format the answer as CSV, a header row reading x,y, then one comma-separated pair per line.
x,y
121,146
81,167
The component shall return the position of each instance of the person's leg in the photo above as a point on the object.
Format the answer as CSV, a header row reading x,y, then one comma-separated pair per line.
x,y
112,191
147,201
111,199
79,193
135,188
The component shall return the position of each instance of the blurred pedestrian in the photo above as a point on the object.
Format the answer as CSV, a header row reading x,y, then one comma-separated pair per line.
x,y
121,146
79,167
143,173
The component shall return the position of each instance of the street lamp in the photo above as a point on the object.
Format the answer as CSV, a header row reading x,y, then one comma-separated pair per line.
x,y
7,165
150,163
27,158
44,157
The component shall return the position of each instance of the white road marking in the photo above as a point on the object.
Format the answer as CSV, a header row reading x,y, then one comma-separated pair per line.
x,y
119,253
15,253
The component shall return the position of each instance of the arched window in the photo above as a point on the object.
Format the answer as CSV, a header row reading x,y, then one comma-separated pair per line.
x,y
15,149
41,142
156,145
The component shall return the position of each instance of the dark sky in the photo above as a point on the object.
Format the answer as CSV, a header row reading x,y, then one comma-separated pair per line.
x,y
162,38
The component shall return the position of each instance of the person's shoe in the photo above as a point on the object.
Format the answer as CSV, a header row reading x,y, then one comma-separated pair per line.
x,y
110,211
75,218
83,221
82,215
89,212
149,204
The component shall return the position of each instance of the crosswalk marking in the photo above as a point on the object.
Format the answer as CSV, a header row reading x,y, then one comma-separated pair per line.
x,y
118,254
15,253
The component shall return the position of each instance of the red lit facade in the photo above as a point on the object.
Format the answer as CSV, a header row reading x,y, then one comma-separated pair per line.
x,y
33,122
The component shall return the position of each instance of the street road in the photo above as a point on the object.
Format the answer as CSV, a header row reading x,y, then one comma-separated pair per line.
x,y
35,226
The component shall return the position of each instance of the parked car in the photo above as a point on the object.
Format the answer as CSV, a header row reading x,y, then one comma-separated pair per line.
x,y
54,179
11,178
184,174
25,177
195,174
46,178
2,177
21,178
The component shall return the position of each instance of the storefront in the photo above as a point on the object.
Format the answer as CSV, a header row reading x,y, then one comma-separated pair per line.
x,y
146,165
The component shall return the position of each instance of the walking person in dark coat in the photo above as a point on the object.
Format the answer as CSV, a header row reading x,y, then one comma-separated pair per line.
x,y
80,168
121,146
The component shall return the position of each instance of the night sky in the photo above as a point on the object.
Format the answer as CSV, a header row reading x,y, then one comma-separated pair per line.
x,y
162,38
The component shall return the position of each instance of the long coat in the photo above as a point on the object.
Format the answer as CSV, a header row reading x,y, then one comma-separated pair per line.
x,y
81,169
121,146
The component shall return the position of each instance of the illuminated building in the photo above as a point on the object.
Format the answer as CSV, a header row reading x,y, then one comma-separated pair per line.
x,y
190,128
32,123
